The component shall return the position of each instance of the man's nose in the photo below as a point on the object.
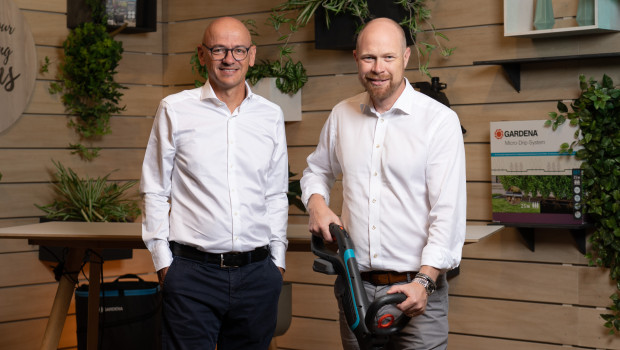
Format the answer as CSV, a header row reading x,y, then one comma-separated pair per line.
x,y
228,57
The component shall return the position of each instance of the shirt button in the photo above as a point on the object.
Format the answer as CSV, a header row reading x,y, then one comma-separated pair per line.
x,y
375,173
374,200
378,146
373,227
382,120
376,255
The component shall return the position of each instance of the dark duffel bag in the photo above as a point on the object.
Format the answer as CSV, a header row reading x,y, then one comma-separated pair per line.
x,y
129,314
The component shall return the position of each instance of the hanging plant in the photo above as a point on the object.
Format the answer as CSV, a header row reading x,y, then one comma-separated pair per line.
x,y
416,14
86,79
596,114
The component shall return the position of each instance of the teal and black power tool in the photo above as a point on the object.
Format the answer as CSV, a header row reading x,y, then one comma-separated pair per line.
x,y
371,328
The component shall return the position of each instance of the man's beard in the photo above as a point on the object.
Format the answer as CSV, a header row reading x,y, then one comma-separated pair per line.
x,y
382,92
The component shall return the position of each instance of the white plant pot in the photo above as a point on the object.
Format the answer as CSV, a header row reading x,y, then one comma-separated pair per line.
x,y
290,104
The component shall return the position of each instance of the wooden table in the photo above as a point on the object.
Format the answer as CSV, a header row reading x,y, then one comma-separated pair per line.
x,y
80,236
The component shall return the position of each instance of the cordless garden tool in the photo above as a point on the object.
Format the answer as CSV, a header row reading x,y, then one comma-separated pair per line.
x,y
371,328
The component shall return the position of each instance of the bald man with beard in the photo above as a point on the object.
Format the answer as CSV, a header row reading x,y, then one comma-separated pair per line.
x,y
214,184
402,161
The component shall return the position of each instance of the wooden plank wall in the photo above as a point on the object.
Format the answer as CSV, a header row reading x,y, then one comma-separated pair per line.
x,y
27,285
506,297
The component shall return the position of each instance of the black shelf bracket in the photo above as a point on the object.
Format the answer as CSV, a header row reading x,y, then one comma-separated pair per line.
x,y
512,67
528,233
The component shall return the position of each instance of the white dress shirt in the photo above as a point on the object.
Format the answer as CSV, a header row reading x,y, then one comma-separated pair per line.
x,y
215,180
403,177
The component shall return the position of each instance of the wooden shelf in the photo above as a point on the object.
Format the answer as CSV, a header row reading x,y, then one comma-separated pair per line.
x,y
528,233
512,67
519,20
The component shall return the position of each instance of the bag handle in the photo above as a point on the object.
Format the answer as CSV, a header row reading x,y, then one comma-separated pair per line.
x,y
128,276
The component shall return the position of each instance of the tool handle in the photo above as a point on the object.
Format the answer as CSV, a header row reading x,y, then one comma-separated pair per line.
x,y
371,314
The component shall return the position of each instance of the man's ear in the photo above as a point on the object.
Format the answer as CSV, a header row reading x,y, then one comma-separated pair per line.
x,y
355,54
252,55
406,56
201,55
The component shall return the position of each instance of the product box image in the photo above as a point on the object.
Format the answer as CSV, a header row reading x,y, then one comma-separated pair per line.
x,y
532,181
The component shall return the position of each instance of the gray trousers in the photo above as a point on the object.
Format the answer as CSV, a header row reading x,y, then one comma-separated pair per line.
x,y
425,332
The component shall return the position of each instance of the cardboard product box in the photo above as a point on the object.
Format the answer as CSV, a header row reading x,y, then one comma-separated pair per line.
x,y
532,182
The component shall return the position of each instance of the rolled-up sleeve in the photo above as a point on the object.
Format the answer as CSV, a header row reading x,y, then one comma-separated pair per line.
x,y
446,183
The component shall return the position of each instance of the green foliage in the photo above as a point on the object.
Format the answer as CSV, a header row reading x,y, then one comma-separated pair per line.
x,y
294,192
290,78
418,14
85,152
89,199
596,113
86,76
537,185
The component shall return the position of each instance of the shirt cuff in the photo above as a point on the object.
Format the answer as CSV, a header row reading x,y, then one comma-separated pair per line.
x,y
439,258
162,256
278,254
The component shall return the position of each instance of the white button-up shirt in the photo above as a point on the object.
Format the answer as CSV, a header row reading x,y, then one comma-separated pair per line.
x,y
403,177
213,179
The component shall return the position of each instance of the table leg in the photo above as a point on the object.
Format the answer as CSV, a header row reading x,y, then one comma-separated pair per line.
x,y
92,335
62,300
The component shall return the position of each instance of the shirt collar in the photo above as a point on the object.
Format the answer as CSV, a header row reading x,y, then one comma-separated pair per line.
x,y
401,106
207,93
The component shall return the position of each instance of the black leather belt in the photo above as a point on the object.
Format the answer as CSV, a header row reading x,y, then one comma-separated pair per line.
x,y
233,259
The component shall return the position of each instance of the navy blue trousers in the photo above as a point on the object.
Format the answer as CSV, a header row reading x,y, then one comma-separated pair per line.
x,y
204,305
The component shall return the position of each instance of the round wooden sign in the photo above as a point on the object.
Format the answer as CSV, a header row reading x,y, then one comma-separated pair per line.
x,y
18,64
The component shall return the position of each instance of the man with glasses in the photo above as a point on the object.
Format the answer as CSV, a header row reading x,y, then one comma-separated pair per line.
x,y
214,184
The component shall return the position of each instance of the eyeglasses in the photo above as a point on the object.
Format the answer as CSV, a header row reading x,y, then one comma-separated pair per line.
x,y
218,53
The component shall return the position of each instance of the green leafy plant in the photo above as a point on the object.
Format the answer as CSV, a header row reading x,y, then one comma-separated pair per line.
x,y
418,14
89,199
294,192
86,78
596,114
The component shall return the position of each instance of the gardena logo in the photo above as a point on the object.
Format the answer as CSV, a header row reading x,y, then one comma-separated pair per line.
x,y
515,133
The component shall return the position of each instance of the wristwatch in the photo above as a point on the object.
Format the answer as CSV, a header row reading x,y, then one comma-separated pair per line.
x,y
426,282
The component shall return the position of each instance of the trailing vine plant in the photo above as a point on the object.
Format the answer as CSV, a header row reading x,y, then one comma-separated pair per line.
x,y
418,14
596,114
86,79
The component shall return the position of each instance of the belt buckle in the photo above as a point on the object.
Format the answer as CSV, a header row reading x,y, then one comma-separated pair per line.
x,y
222,264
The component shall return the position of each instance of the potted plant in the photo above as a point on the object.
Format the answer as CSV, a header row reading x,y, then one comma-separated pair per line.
x,y
89,199
596,114
414,14
86,78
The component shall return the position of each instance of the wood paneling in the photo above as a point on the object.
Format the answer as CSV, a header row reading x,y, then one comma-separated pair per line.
x,y
52,131
556,283
549,323
180,10
467,342
314,301
36,165
311,334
